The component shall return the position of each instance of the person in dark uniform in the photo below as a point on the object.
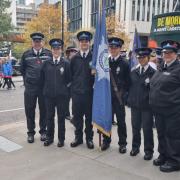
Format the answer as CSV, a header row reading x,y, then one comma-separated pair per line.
x,y
138,100
82,90
70,52
120,80
55,77
31,64
165,102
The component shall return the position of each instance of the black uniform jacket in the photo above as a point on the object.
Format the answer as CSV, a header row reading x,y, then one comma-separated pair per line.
x,y
139,88
31,68
121,73
82,80
165,87
55,78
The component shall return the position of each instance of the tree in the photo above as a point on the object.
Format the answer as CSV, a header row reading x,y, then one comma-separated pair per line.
x,y
49,22
5,19
116,27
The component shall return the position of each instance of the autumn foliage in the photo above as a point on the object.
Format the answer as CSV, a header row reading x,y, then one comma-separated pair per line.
x,y
49,22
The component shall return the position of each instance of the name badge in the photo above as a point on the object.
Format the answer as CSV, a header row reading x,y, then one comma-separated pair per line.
x,y
118,70
166,73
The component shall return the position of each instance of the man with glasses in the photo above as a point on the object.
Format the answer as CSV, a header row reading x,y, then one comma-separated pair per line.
x,y
165,101
31,64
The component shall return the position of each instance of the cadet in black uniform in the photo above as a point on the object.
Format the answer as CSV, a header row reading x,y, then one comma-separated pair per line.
x,y
165,101
55,80
70,52
138,100
31,65
120,80
82,90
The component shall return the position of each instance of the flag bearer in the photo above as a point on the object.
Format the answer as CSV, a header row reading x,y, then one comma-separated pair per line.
x,y
119,86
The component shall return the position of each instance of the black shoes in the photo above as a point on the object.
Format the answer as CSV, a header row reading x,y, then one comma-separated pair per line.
x,y
43,137
48,142
90,144
105,146
60,144
76,143
30,138
148,156
168,167
159,161
122,149
134,152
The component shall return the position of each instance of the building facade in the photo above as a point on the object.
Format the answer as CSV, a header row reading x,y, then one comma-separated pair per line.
x,y
134,13
24,13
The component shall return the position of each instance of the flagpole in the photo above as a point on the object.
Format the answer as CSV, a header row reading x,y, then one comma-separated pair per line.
x,y
100,16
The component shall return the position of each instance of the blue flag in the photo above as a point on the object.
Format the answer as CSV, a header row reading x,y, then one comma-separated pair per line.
x,y
136,44
102,109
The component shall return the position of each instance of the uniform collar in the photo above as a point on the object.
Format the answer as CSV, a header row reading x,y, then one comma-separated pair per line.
x,y
145,67
86,53
58,59
35,51
115,58
169,64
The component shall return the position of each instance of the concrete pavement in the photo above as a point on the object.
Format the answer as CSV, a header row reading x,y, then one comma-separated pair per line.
x,y
34,161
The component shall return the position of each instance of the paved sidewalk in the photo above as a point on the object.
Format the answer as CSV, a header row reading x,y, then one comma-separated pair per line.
x,y
35,162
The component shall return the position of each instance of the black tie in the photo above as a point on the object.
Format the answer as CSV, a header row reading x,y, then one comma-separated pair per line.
x,y
112,59
38,53
142,70
56,62
84,55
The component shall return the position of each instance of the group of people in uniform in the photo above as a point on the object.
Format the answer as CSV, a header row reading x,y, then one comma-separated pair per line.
x,y
52,80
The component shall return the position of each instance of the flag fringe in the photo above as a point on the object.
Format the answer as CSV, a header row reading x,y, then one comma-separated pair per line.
x,y
102,130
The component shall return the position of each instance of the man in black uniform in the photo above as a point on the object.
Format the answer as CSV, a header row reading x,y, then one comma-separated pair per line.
x,y
55,76
120,79
138,100
82,90
31,65
165,101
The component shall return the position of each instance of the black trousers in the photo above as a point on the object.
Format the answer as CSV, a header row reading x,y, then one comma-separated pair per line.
x,y
11,82
168,130
30,101
82,106
119,111
144,119
6,82
59,102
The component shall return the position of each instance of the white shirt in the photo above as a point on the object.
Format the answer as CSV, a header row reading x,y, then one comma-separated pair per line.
x,y
115,58
35,51
145,68
58,59
86,53
168,64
